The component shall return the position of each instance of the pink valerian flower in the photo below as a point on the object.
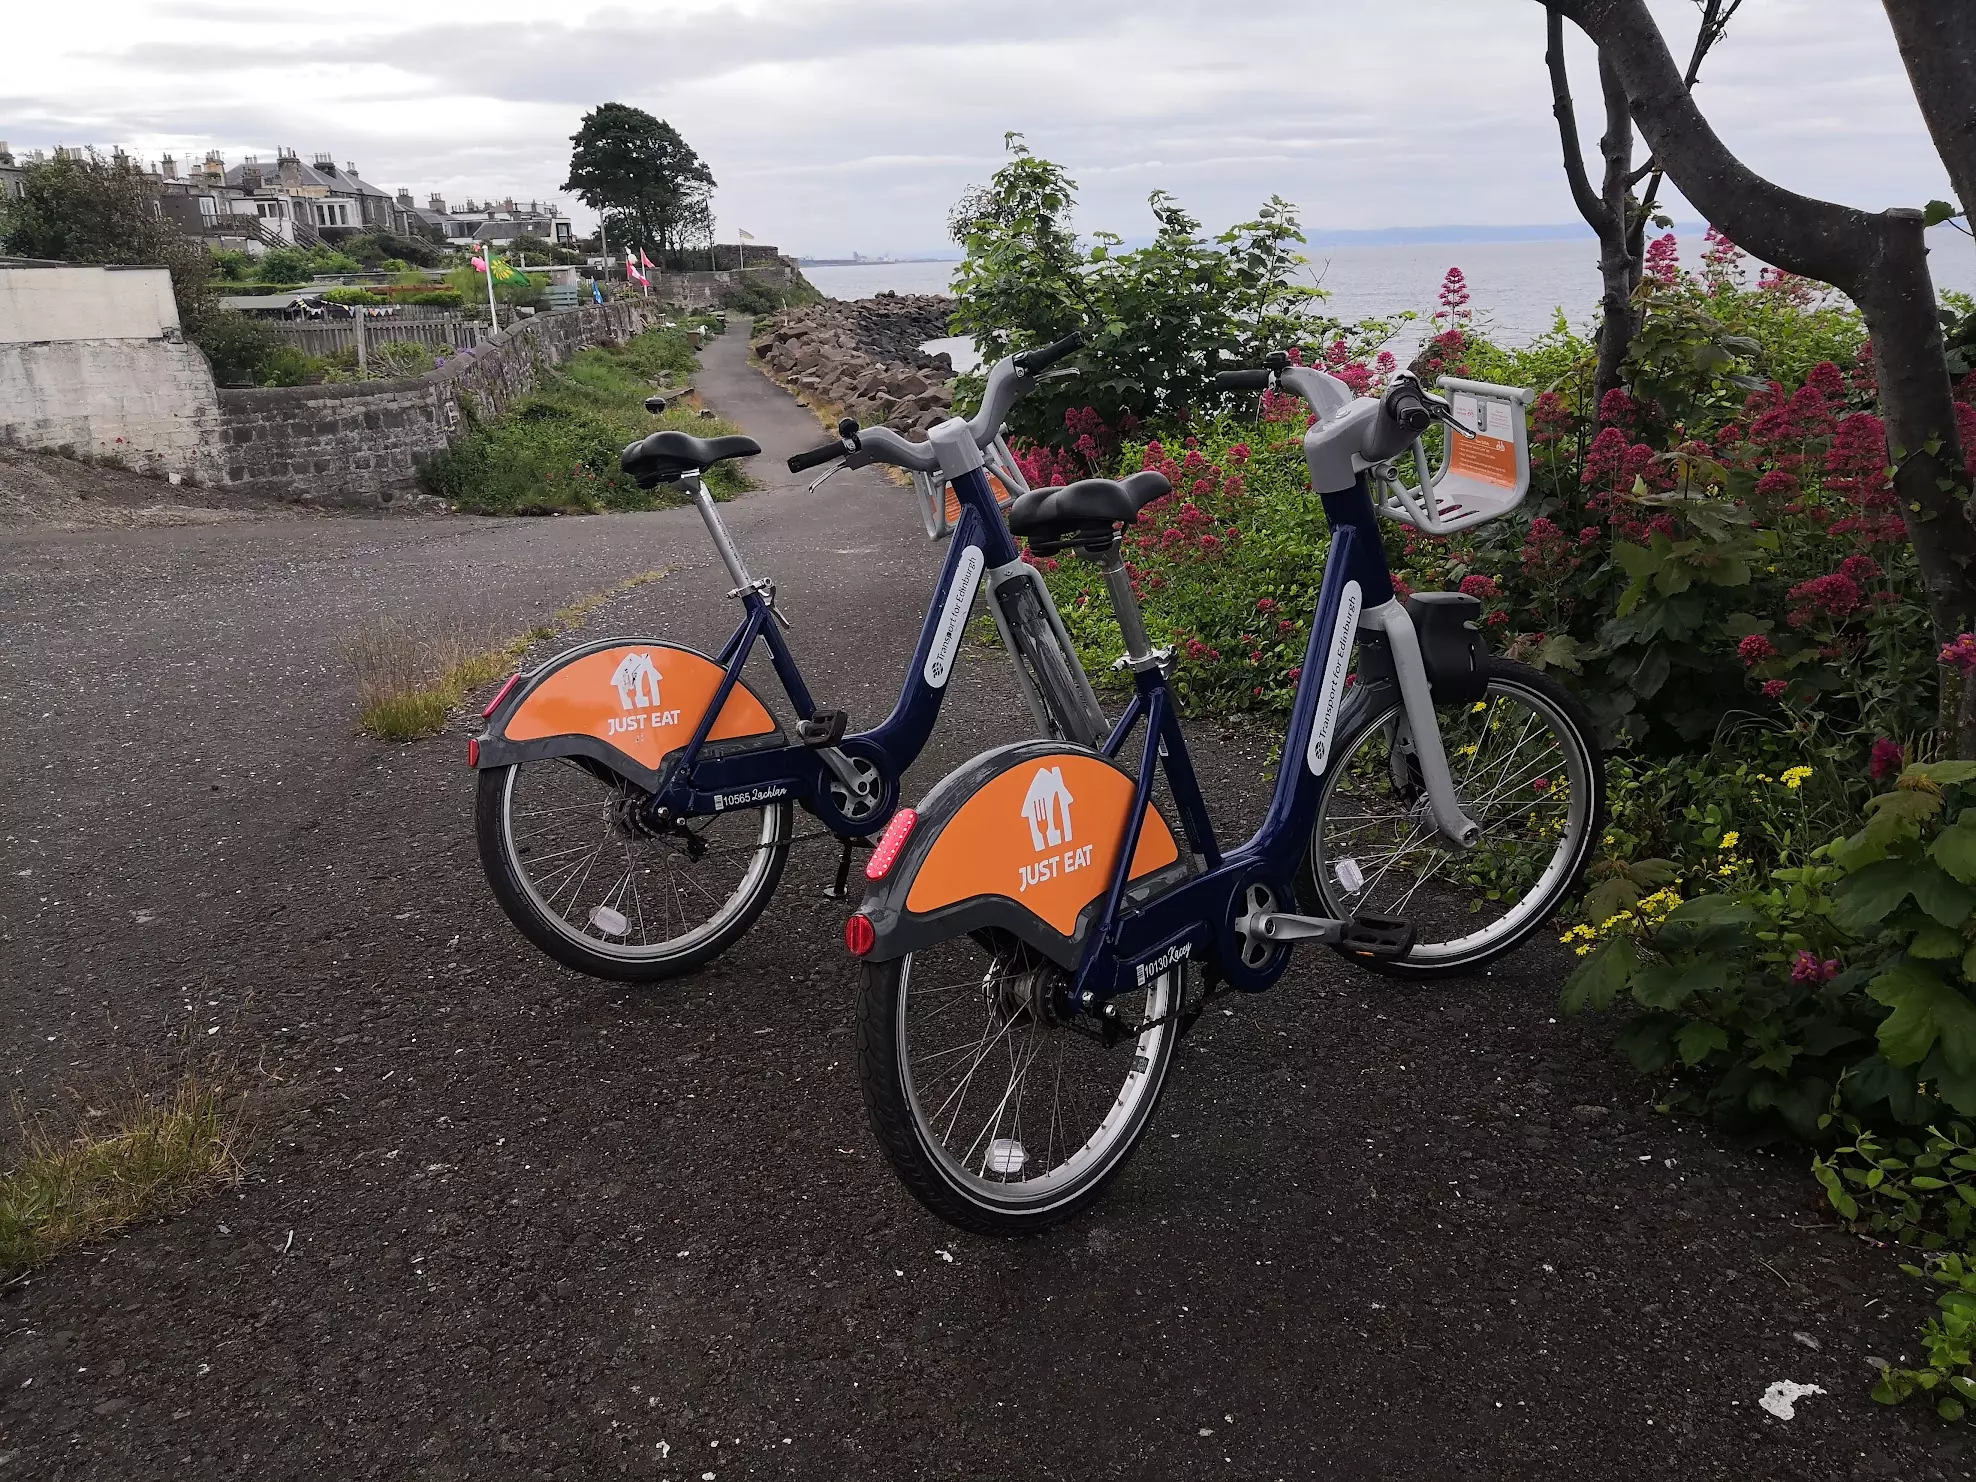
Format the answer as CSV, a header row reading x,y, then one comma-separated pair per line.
x,y
1773,689
1480,586
1239,453
1453,299
1663,261
1961,654
1965,422
1806,968
1722,261
1617,409
1835,597
1827,380
1756,649
1861,569
1550,418
1885,761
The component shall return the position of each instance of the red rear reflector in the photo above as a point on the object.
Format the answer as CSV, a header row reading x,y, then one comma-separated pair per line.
x,y
473,751
859,934
896,833
500,695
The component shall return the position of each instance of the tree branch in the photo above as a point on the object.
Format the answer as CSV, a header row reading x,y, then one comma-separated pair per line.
x,y
1804,235
1587,200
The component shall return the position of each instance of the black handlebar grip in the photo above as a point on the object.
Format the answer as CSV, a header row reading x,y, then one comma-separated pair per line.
x,y
811,459
1406,406
1032,361
1241,380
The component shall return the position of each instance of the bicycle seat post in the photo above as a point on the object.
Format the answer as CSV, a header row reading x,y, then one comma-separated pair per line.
x,y
1125,607
717,528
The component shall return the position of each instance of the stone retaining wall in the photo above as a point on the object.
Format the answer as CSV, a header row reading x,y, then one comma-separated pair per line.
x,y
360,443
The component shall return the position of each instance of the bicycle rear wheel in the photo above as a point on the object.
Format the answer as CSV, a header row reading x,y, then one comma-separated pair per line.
x,y
1000,1111
582,875
1527,769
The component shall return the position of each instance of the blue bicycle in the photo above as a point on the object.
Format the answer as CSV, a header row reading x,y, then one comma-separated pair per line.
x,y
1028,931
636,797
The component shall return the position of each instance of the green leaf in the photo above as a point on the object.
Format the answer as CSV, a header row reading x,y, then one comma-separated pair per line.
x,y
1913,805
1608,898
1697,1041
1648,1042
1940,773
1936,943
1652,673
1948,900
1954,850
1924,1009
1937,212
1597,980
1866,897
1949,1409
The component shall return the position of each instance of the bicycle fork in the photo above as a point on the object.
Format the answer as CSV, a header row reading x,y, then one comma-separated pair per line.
x,y
1391,619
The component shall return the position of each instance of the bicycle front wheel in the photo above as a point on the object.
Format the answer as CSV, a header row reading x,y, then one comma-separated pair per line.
x,y
1527,769
583,875
999,1110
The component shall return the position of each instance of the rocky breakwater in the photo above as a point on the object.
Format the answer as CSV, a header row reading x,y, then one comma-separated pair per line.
x,y
863,357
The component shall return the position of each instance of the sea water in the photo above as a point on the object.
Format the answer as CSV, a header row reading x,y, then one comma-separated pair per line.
x,y
1516,288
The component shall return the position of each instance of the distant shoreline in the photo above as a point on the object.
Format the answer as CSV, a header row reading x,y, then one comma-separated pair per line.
x,y
865,262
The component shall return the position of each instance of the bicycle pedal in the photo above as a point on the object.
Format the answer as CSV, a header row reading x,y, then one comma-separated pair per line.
x,y
1377,936
825,728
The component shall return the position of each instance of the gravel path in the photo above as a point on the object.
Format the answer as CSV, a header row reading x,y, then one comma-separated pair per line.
x,y
501,1221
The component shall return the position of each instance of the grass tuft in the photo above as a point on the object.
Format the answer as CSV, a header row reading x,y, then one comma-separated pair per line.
x,y
409,679
146,1162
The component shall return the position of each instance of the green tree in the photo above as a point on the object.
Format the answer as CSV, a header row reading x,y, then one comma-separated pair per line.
x,y
85,208
626,163
1158,321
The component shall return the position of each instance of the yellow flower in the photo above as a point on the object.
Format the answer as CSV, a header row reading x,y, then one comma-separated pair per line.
x,y
1795,776
1479,707
1729,840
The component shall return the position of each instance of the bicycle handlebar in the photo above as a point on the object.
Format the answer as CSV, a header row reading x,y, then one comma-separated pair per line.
x,y
1241,380
1030,362
834,449
1407,405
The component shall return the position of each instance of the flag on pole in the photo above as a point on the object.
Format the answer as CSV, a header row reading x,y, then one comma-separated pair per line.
x,y
747,236
644,259
631,269
596,292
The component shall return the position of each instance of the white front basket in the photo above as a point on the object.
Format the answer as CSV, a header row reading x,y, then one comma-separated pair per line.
x,y
1481,477
939,507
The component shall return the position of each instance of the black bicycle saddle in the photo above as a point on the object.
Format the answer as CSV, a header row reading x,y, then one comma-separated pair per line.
x,y
664,456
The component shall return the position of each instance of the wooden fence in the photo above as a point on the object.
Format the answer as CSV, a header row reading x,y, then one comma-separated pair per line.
x,y
333,336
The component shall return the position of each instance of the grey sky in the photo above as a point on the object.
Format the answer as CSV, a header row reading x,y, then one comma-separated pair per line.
x,y
835,125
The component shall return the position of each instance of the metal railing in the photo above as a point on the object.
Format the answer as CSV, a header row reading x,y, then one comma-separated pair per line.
x,y
441,332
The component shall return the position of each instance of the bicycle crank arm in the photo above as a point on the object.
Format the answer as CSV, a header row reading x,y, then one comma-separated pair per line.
x,y
1280,926
1369,936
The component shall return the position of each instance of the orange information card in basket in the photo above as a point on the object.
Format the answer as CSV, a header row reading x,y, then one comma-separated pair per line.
x,y
1489,456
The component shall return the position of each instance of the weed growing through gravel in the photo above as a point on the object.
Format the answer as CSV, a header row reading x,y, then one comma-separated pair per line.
x,y
145,1162
410,678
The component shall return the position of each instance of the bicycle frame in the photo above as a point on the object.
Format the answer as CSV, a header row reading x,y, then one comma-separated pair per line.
x,y
1228,911
695,783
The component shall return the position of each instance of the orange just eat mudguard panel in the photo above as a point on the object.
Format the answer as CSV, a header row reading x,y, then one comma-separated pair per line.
x,y
1044,834
643,698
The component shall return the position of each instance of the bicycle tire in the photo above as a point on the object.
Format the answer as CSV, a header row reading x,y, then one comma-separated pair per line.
x,y
1498,794
591,951
921,1156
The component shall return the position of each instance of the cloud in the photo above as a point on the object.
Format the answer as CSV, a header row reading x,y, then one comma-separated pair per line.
x,y
852,124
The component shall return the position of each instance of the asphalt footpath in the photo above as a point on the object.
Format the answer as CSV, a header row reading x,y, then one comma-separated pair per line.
x,y
497,1220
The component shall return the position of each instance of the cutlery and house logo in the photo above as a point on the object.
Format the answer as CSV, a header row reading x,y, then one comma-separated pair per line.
x,y
1045,833
645,700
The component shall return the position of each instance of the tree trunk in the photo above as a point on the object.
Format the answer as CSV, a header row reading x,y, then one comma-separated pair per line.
x,y
1880,261
1619,271
1604,210
1937,39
